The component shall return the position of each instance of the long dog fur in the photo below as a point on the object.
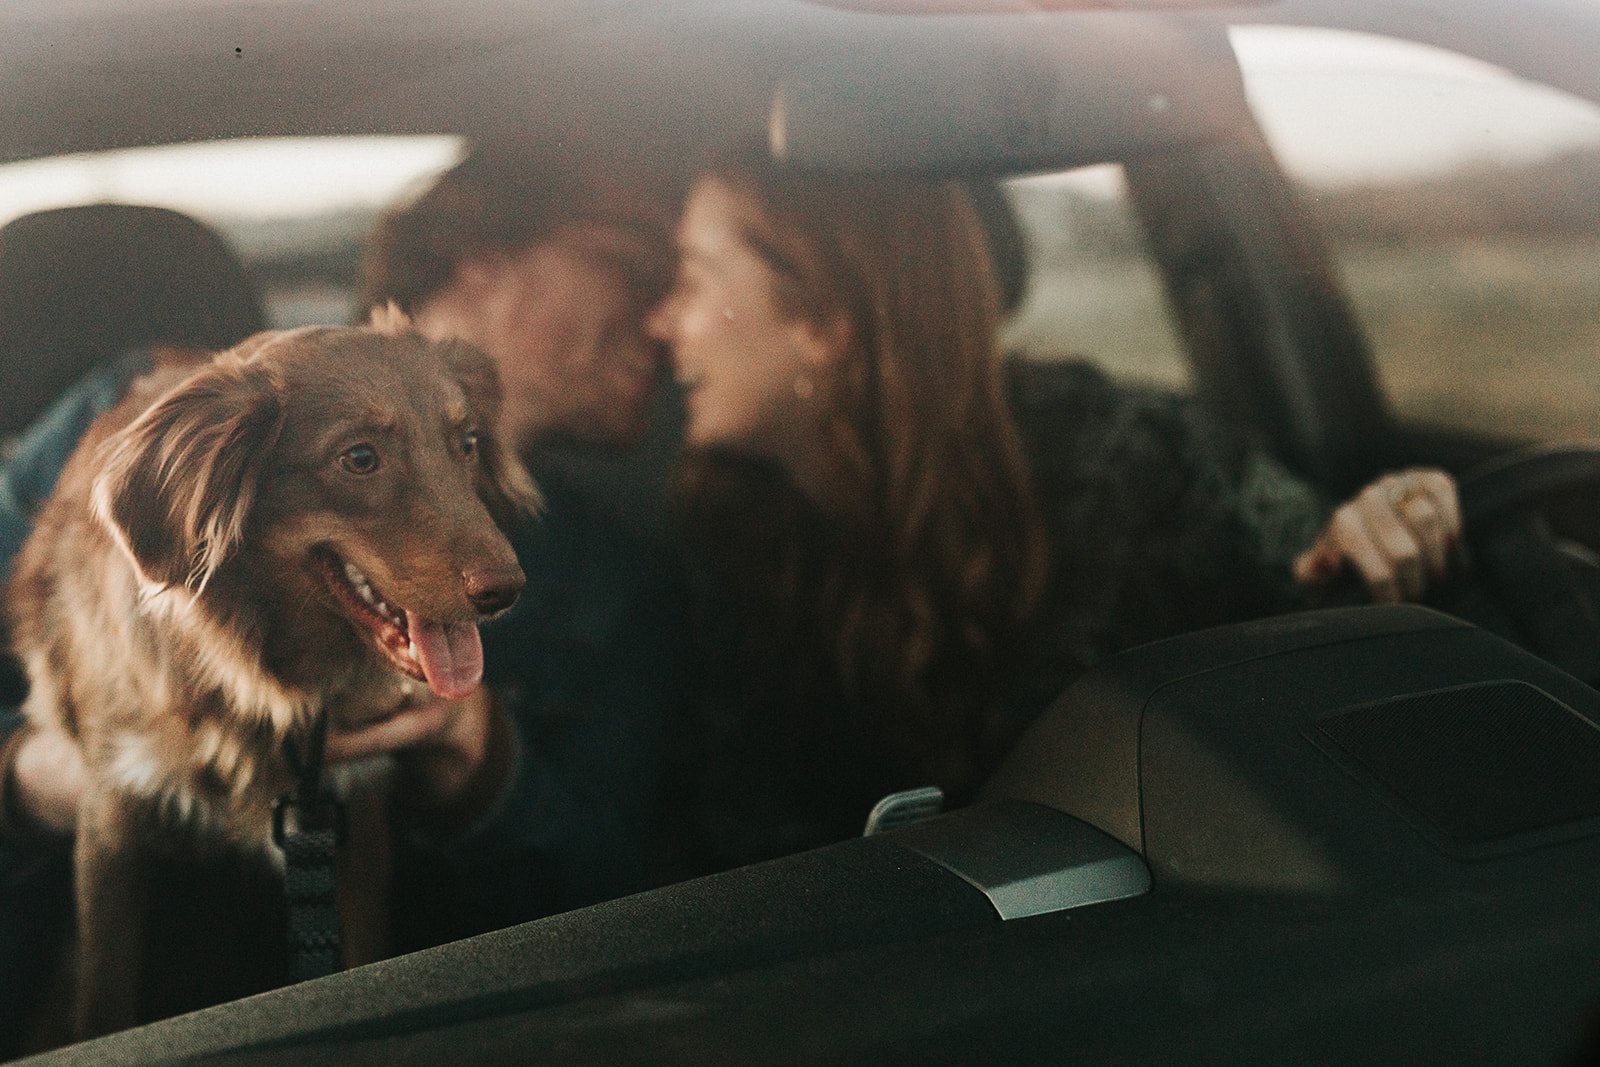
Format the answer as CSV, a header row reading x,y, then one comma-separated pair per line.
x,y
180,614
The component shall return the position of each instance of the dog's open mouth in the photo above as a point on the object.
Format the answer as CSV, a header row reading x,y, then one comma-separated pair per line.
x,y
448,656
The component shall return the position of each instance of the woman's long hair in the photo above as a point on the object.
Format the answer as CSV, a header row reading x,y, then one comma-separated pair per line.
x,y
922,589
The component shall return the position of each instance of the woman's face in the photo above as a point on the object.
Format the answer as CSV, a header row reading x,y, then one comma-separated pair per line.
x,y
748,368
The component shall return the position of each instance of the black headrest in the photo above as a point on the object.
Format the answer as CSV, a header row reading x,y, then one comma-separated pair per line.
x,y
81,285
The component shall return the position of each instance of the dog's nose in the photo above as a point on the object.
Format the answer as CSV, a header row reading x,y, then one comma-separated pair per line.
x,y
493,592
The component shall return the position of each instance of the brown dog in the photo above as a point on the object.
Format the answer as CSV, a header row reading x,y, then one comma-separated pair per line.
x,y
306,524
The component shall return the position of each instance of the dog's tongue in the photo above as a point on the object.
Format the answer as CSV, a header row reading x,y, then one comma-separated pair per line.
x,y
451,654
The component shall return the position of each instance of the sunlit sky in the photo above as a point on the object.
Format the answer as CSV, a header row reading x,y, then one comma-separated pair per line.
x,y
1338,107
1342,107
249,178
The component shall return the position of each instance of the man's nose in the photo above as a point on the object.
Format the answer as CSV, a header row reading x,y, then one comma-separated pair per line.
x,y
658,320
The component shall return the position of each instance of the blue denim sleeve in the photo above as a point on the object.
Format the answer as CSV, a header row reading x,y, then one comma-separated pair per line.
x,y
40,453
15,525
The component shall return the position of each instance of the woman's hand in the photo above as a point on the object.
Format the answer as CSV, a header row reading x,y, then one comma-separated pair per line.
x,y
1399,533
454,754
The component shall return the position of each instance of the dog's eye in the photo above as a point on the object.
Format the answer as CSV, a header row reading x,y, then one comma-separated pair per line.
x,y
469,443
359,459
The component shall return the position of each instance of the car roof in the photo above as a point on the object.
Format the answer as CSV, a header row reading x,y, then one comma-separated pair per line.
x,y
838,83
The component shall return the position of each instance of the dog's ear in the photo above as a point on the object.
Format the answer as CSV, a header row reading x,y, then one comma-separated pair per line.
x,y
507,489
175,486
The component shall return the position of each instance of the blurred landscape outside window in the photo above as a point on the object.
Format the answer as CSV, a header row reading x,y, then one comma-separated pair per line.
x,y
1462,206
1095,292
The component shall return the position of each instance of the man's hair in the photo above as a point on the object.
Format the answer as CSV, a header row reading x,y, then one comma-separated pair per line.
x,y
497,199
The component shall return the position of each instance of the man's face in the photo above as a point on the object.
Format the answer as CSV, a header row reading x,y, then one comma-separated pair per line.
x,y
563,320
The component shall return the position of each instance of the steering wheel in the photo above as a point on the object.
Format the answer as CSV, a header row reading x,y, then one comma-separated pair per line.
x,y
1526,583
1519,481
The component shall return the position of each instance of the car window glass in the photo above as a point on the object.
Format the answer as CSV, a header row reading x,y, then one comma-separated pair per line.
x,y
295,209
1460,205
1094,292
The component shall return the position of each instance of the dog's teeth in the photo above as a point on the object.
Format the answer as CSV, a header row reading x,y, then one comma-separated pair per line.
x,y
355,576
411,647
367,594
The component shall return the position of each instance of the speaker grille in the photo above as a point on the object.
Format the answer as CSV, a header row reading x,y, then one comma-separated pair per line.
x,y
1479,764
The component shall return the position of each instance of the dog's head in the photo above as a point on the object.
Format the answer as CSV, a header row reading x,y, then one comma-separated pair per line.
x,y
349,480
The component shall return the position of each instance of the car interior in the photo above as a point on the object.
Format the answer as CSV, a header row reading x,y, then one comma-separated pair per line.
x,y
1364,833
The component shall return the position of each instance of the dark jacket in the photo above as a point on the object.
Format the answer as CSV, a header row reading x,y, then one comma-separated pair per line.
x,y
1160,521
589,665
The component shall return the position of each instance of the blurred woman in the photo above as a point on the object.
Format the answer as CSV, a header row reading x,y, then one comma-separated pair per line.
x,y
912,546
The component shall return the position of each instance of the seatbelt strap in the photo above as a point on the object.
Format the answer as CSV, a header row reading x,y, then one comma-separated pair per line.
x,y
308,825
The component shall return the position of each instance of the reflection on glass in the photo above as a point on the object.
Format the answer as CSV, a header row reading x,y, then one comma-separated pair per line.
x,y
1094,293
